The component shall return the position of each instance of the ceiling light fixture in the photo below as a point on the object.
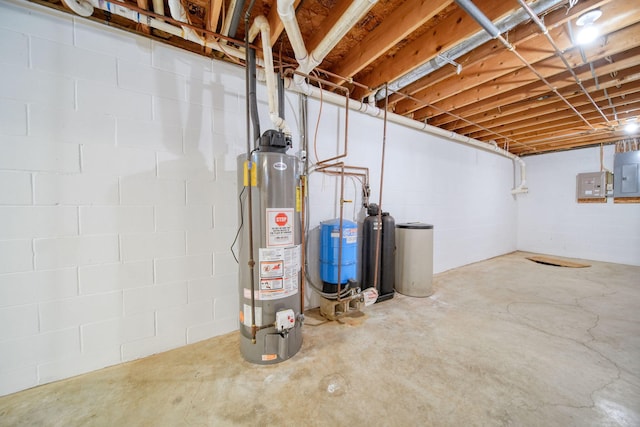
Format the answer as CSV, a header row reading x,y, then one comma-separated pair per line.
x,y
631,126
588,32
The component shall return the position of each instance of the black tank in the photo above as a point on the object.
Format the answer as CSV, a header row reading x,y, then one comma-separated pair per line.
x,y
386,265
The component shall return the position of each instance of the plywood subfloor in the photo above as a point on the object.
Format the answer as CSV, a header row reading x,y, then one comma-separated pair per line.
x,y
558,262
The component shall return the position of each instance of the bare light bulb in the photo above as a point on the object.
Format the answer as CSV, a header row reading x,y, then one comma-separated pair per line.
x,y
631,127
588,31
587,34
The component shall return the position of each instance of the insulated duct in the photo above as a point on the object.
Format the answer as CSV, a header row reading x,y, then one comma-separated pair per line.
x,y
482,20
478,39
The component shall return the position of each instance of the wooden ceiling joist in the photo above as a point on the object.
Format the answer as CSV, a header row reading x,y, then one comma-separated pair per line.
x,y
215,7
426,47
495,97
520,85
402,22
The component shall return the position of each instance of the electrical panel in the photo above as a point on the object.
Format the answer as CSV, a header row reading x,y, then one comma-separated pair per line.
x,y
626,167
594,187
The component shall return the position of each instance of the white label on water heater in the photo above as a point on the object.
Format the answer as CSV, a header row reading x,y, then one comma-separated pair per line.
x,y
279,227
247,315
279,272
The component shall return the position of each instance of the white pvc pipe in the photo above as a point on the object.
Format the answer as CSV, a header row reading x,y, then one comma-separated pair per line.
x,y
158,6
261,26
374,111
351,16
82,7
309,62
287,14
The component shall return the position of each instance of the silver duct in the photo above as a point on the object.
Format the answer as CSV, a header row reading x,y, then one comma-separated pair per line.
x,y
478,39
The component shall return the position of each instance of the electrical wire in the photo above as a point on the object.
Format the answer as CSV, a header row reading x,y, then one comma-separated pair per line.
x,y
240,227
315,134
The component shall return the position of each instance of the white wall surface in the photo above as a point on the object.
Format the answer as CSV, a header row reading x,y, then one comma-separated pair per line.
x,y
464,192
550,221
118,193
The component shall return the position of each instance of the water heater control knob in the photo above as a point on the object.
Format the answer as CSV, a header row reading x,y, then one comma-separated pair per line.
x,y
285,320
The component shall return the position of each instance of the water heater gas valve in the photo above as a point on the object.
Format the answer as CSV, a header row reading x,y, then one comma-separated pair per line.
x,y
285,320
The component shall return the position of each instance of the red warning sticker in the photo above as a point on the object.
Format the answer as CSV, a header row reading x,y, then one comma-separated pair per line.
x,y
279,227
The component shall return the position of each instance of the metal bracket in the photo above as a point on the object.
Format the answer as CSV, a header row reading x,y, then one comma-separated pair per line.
x,y
452,62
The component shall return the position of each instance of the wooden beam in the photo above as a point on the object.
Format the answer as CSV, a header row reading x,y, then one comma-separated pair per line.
x,y
451,31
624,64
506,63
553,126
623,107
275,23
404,20
144,4
522,84
516,36
214,15
551,104
337,10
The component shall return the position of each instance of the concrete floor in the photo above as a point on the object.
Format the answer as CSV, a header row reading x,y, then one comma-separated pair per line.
x,y
501,342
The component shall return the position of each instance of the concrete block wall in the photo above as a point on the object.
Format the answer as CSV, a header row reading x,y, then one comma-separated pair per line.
x,y
118,200
117,196
550,221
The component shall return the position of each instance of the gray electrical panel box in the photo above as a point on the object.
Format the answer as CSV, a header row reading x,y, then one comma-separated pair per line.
x,y
593,186
626,167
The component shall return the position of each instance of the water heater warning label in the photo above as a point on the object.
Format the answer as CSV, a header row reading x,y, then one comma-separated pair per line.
x,y
279,227
272,268
279,273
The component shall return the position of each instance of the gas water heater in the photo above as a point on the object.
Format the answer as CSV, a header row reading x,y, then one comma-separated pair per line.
x,y
270,322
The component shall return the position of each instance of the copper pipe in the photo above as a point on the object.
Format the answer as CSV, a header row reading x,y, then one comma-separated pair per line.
x,y
346,112
379,220
251,262
303,189
340,233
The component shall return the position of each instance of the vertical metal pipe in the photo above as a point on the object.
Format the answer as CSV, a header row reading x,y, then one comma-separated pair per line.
x,y
340,230
303,189
253,104
280,95
235,18
251,262
379,219
303,192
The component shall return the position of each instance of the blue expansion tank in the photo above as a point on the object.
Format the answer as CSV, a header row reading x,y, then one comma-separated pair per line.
x,y
329,236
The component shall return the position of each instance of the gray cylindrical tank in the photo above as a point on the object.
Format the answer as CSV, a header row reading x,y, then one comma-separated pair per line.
x,y
414,259
386,247
276,237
